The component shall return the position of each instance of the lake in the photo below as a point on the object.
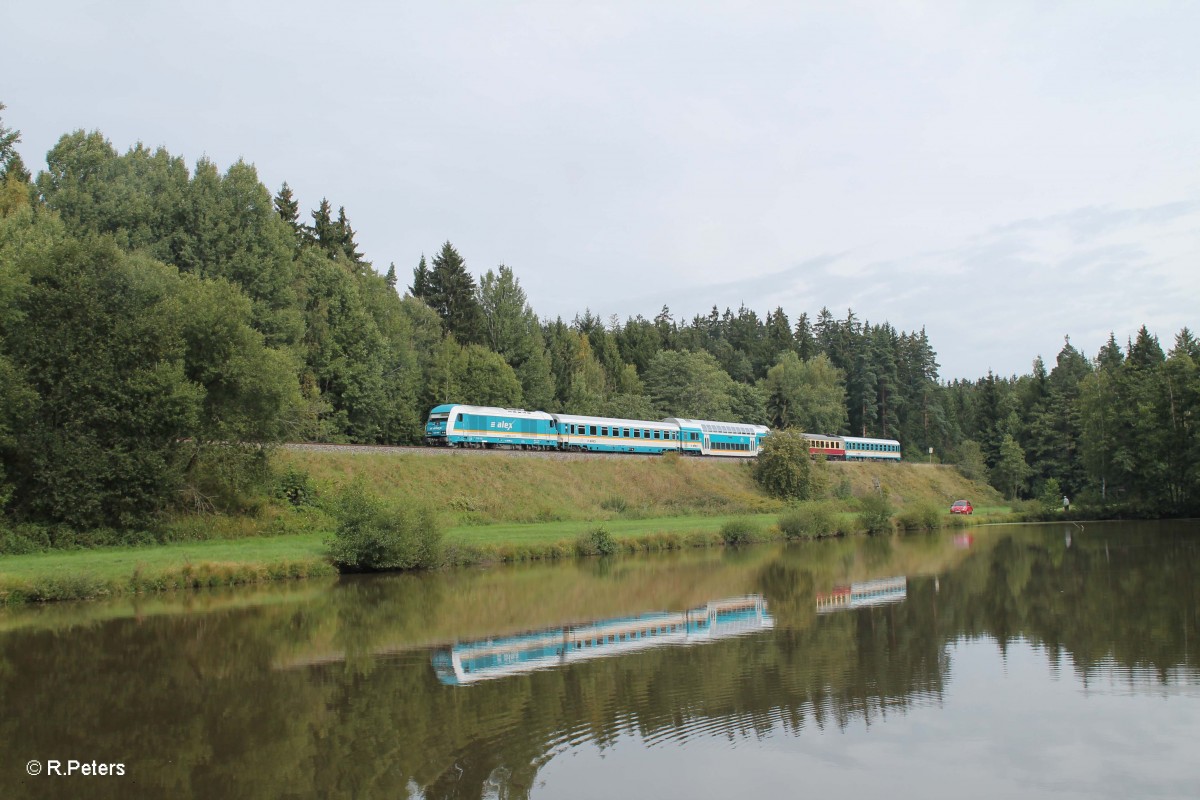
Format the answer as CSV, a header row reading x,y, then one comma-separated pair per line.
x,y
1030,661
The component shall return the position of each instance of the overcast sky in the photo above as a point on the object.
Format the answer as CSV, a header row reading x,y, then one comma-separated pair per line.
x,y
1001,173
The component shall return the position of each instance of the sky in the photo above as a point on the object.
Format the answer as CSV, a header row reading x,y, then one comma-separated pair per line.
x,y
1000,174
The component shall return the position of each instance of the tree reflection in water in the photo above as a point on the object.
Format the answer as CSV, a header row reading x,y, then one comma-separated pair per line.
x,y
333,691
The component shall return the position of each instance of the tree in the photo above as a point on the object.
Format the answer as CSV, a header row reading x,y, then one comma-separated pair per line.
x,y
420,284
808,395
690,385
783,467
129,370
344,237
450,291
323,230
1011,470
970,461
8,140
288,209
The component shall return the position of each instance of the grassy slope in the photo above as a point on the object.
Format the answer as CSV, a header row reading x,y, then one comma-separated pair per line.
x,y
490,500
490,488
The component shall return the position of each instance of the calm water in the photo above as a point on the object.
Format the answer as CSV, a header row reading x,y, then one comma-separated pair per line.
x,y
1022,661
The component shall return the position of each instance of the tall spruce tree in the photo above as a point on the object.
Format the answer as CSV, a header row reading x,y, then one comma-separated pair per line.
x,y
288,209
451,292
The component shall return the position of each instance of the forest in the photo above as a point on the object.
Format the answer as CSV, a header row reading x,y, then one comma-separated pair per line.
x,y
161,325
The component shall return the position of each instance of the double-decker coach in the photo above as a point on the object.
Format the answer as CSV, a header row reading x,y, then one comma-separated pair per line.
x,y
710,438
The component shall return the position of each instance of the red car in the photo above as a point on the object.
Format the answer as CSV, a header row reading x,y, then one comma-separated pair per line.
x,y
962,507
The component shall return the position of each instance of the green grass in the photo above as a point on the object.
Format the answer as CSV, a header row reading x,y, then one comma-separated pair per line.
x,y
501,508
110,571
550,532
101,572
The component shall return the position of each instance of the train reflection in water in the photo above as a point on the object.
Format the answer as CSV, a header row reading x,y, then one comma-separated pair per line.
x,y
485,659
859,595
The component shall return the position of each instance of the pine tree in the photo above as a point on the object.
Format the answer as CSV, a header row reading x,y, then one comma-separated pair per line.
x,y
420,284
8,140
288,208
324,231
390,278
451,293
344,237
806,344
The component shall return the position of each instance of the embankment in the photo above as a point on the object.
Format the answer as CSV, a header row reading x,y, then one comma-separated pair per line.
x,y
496,508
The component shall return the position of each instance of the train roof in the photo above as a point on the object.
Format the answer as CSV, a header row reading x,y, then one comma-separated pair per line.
x,y
457,408
864,440
631,423
713,426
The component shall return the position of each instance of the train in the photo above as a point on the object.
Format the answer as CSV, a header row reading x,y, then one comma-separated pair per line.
x,y
499,657
456,425
883,591
852,448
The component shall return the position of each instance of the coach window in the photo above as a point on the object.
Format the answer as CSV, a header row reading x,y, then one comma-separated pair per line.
x,y
593,430
603,431
637,433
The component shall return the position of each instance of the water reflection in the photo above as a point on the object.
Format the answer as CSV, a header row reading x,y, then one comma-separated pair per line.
x,y
882,592
486,659
973,662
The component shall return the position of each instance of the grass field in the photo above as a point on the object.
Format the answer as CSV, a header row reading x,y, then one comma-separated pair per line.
x,y
497,508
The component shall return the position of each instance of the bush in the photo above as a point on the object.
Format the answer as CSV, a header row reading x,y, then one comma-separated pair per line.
x,y
596,542
615,503
876,513
296,487
783,467
843,490
922,516
1051,495
739,531
809,522
371,536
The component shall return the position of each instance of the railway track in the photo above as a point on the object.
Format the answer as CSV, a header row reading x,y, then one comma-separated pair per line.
x,y
385,449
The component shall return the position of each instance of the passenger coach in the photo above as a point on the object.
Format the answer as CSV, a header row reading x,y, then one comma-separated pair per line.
x,y
860,449
608,435
708,438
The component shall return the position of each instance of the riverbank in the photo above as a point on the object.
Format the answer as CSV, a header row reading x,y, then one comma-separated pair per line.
x,y
497,508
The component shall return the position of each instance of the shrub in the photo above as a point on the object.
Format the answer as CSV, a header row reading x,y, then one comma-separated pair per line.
x,y
739,531
596,542
808,522
876,513
371,536
921,516
843,490
615,503
296,487
1050,497
783,467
